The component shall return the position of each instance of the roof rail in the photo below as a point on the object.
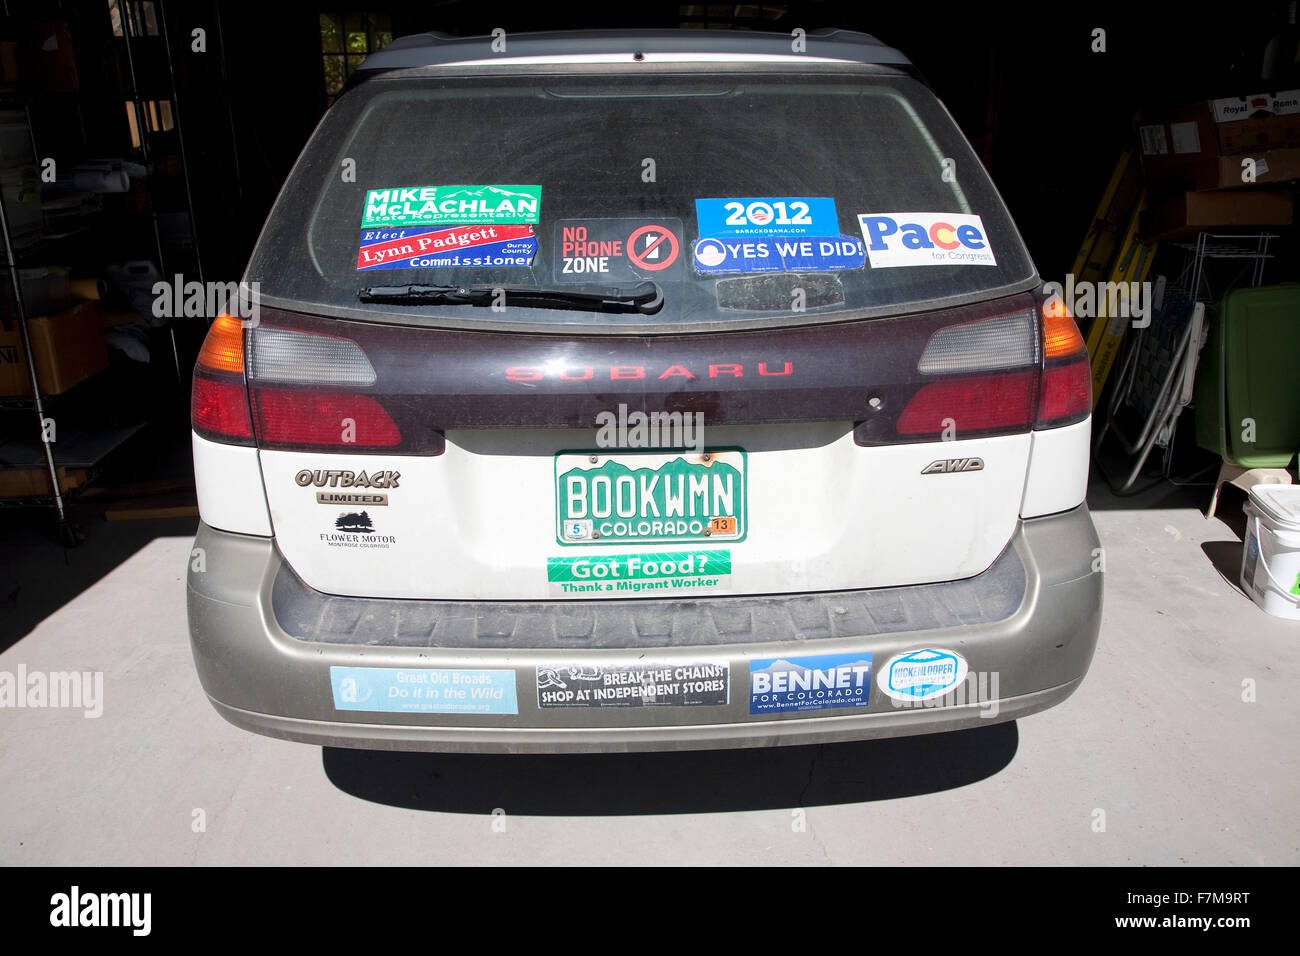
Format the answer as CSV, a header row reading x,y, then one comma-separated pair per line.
x,y
437,49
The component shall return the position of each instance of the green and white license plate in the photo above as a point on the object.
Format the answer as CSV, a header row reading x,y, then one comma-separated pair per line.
x,y
650,497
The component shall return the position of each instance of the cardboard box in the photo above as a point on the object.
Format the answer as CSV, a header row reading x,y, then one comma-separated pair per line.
x,y
1253,135
1181,149
69,348
1271,167
1185,215
34,482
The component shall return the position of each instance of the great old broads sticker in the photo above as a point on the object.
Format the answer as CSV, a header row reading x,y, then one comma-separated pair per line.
x,y
699,684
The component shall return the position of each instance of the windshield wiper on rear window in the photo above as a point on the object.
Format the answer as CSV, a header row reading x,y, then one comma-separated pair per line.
x,y
645,297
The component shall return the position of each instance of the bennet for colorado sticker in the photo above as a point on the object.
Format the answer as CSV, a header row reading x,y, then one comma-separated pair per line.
x,y
925,239
920,675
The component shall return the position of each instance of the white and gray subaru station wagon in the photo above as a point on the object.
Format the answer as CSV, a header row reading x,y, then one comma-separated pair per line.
x,y
640,390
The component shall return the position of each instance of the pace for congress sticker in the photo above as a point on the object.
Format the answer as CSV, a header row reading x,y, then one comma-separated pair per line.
x,y
925,239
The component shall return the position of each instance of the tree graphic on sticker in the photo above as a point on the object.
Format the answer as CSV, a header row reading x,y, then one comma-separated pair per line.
x,y
354,521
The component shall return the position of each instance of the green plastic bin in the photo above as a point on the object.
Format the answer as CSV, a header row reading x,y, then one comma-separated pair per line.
x,y
1249,372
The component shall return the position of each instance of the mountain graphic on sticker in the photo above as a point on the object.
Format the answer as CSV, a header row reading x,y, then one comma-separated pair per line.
x,y
788,667
456,191
354,521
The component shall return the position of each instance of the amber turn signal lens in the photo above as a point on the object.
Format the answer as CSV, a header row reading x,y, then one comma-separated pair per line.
x,y
1060,335
223,349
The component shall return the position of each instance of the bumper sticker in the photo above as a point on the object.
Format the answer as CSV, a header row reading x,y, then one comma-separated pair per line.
x,y
424,691
698,684
675,572
452,205
920,675
489,245
824,682
722,255
617,250
925,239
767,216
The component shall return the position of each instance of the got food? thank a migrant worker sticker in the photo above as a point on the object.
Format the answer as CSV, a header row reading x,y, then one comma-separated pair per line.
x,y
925,239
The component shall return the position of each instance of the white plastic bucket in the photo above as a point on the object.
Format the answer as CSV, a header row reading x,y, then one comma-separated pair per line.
x,y
1270,559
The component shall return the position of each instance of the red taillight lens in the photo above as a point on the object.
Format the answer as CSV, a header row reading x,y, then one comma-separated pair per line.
x,y
1066,395
218,397
980,404
219,411
296,417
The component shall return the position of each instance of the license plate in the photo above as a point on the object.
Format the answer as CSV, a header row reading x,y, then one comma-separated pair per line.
x,y
650,497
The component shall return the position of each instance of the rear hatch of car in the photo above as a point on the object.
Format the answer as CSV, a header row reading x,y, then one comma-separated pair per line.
x,y
597,334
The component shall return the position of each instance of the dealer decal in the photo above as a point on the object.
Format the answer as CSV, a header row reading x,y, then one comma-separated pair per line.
x,y
424,248
925,239
452,205
617,249
922,674
424,690
698,684
823,682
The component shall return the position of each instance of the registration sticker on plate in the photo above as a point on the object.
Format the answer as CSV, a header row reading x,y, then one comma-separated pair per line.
x,y
650,497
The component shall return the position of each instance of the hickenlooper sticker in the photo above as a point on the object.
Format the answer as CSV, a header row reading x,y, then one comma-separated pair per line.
x,y
920,675
823,682
697,684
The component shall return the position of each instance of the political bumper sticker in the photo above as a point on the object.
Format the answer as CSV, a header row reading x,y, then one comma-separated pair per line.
x,y
698,684
920,675
824,682
767,216
674,572
925,239
424,691
423,248
452,205
720,255
617,249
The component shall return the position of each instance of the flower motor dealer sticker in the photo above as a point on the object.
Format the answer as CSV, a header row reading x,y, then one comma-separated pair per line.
x,y
617,249
925,239
923,674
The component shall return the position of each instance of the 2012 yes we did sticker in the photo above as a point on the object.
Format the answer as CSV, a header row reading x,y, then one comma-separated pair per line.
x,y
925,239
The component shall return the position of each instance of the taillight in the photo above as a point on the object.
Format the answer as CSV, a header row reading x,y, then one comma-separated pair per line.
x,y
978,379
309,418
219,397
1066,395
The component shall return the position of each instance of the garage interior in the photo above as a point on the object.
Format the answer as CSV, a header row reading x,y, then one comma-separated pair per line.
x,y
142,140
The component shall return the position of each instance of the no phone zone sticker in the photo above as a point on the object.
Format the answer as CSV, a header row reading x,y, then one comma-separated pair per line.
x,y
616,249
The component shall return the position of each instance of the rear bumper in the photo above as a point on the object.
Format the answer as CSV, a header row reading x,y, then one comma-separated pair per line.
x,y
262,678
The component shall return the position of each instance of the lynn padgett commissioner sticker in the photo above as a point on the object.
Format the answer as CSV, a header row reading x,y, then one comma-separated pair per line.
x,y
418,247
676,572
697,684
650,497
452,205
419,690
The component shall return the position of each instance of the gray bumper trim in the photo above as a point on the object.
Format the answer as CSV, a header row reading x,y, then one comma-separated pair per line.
x,y
309,615
260,677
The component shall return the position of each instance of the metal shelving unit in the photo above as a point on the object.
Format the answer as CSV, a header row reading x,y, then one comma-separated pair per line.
x,y
39,403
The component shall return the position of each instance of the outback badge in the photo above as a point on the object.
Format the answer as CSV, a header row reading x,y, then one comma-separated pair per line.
x,y
946,466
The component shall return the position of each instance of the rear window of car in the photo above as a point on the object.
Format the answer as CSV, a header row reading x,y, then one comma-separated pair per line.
x,y
790,197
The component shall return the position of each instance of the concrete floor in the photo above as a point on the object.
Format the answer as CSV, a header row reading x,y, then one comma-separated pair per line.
x,y
1158,740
